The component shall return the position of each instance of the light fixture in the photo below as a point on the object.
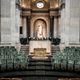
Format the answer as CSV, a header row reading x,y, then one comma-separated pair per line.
x,y
23,4
56,5
40,4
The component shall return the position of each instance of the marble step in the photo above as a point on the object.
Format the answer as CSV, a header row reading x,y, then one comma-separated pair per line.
x,y
40,68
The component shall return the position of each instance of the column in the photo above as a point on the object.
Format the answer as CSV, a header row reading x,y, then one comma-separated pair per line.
x,y
17,22
58,27
24,27
51,26
62,25
55,26
28,26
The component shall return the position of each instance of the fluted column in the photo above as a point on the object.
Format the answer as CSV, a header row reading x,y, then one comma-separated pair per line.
x,y
55,26
51,26
58,27
24,27
28,26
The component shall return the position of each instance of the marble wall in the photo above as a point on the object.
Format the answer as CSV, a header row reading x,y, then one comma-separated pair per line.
x,y
70,22
24,25
5,21
9,22
17,24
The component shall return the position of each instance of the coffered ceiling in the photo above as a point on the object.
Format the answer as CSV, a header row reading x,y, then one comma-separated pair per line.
x,y
46,3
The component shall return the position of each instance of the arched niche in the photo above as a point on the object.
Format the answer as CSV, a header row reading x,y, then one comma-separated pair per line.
x,y
45,20
40,29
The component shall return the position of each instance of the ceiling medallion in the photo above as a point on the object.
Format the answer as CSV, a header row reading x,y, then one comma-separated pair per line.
x,y
40,4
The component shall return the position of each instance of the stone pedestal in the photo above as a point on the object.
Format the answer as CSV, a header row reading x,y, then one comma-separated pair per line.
x,y
41,47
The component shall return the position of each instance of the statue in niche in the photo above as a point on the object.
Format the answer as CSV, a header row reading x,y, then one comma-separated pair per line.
x,y
40,31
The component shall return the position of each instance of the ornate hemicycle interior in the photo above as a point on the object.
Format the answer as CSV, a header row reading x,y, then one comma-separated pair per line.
x,y
40,39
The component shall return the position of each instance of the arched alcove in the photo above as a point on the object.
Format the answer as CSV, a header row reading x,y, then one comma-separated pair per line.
x,y
44,20
40,28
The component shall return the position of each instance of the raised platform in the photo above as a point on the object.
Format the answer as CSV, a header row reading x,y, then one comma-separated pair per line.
x,y
40,49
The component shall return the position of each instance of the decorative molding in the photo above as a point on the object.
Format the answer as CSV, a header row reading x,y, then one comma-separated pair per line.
x,y
40,11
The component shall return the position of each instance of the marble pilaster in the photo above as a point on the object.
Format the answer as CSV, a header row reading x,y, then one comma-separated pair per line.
x,y
6,21
70,22
24,27
9,22
51,26
55,26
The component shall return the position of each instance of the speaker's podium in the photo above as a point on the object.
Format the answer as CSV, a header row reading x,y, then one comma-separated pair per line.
x,y
40,49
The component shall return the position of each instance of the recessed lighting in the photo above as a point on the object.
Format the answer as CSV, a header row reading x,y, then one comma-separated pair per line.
x,y
23,6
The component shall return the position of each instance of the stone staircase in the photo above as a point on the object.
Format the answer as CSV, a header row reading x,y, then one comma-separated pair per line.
x,y
54,49
40,78
40,64
25,48
40,67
